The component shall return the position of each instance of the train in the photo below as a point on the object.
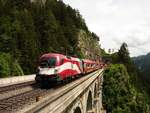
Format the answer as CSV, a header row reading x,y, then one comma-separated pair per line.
x,y
54,68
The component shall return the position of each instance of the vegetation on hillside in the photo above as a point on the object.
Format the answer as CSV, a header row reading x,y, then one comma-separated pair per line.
x,y
123,91
7,67
28,30
143,64
120,95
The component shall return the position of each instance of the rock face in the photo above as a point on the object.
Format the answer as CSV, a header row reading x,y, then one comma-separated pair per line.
x,y
89,46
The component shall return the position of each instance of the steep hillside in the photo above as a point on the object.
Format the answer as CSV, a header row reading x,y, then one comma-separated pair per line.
x,y
143,63
120,95
29,29
123,88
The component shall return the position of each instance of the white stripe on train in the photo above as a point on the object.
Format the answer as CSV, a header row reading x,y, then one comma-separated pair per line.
x,y
61,68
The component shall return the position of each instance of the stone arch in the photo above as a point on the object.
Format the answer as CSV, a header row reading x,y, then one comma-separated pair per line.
x,y
77,110
77,104
89,105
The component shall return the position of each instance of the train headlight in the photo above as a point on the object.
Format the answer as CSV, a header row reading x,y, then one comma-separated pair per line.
x,y
55,71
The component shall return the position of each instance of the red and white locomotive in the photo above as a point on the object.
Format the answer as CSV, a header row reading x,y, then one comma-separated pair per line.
x,y
55,67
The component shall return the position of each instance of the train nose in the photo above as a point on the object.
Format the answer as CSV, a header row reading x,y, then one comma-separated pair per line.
x,y
47,71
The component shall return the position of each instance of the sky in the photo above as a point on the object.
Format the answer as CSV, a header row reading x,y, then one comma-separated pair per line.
x,y
118,21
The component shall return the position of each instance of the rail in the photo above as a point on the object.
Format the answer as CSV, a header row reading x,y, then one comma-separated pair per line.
x,y
15,86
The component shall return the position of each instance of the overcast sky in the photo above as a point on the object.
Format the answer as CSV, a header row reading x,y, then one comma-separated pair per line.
x,y
117,21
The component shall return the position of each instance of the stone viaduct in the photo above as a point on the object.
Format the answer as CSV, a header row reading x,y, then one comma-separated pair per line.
x,y
81,96
90,101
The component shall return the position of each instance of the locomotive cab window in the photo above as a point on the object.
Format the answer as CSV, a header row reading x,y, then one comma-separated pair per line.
x,y
51,62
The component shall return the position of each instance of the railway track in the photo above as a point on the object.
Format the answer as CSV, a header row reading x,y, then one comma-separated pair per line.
x,y
12,90
27,101
15,86
12,104
7,92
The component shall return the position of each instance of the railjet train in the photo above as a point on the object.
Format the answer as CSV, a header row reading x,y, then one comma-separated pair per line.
x,y
53,68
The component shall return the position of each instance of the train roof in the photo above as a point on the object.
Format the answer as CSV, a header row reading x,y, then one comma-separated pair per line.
x,y
88,61
47,55
52,55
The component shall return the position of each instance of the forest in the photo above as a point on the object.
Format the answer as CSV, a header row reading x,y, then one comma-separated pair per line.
x,y
124,90
143,64
30,29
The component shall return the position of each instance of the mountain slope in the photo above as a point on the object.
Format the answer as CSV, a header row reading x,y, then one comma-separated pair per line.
x,y
30,29
120,95
143,63
123,88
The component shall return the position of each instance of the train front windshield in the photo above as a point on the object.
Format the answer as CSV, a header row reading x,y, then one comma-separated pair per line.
x,y
50,62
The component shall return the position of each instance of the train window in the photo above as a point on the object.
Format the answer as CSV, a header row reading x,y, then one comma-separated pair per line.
x,y
51,62
68,57
43,63
88,65
62,61
81,64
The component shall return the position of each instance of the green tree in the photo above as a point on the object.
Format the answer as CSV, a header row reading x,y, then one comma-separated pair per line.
x,y
27,42
9,67
124,54
120,95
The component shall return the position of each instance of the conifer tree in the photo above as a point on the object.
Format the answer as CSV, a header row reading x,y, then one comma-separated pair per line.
x,y
124,53
28,30
28,41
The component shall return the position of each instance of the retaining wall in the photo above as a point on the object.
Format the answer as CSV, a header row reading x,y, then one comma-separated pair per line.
x,y
16,80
